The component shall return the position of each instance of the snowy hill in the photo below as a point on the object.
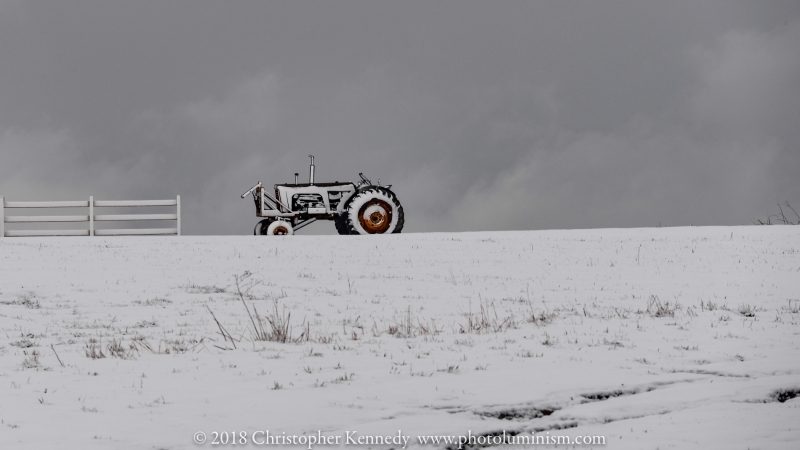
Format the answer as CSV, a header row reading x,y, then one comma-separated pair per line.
x,y
652,338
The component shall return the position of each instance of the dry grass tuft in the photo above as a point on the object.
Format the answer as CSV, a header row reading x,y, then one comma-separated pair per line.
x,y
158,301
545,317
116,350
747,310
275,327
486,321
32,361
407,325
657,309
94,350
195,289
28,300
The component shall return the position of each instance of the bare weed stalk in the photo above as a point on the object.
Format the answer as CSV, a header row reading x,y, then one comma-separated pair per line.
x,y
781,217
225,334
57,357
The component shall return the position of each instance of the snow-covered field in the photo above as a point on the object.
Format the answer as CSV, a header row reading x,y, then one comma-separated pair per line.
x,y
652,338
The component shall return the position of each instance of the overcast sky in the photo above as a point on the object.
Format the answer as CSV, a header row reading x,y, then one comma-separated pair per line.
x,y
482,115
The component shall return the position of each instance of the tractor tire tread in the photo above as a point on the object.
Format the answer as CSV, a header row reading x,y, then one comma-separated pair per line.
x,y
370,190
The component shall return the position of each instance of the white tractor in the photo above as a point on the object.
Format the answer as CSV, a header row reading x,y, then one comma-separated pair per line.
x,y
355,208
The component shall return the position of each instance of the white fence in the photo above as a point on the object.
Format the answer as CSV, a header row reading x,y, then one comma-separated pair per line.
x,y
91,217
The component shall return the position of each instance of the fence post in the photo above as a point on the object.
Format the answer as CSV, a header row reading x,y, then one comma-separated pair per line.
x,y
91,215
2,217
179,215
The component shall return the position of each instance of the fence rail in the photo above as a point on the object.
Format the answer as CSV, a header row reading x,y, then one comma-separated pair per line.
x,y
91,218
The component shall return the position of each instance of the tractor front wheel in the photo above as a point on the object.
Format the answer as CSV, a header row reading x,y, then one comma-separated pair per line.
x,y
280,228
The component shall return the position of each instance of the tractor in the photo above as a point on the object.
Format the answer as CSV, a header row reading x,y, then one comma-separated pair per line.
x,y
355,208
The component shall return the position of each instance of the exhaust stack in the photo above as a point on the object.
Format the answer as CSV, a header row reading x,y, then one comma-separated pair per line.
x,y
295,178
311,170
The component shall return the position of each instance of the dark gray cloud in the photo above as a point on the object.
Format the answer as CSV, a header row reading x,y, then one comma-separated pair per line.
x,y
484,116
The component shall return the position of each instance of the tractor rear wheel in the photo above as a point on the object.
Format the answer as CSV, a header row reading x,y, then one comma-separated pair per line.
x,y
340,221
374,210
